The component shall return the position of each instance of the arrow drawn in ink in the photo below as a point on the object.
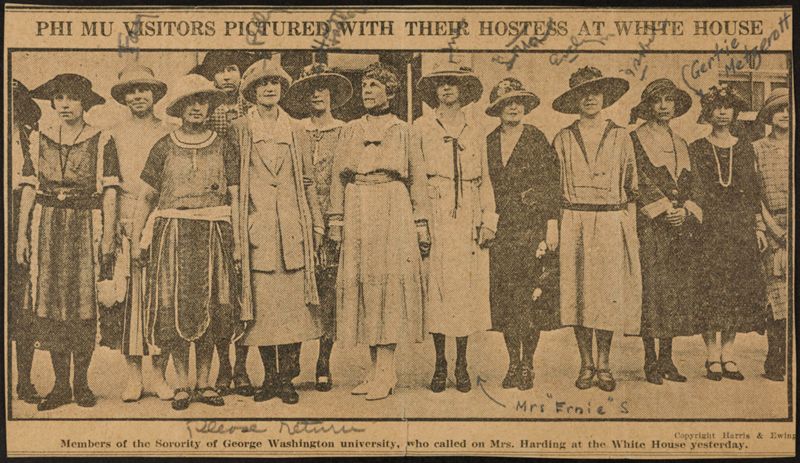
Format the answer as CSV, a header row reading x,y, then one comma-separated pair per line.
x,y
480,381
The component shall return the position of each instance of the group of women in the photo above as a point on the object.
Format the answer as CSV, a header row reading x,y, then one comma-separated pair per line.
x,y
374,232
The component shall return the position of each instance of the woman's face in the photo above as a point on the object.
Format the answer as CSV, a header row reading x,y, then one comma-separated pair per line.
x,y
320,100
512,112
721,116
68,107
780,118
591,104
139,99
373,94
447,91
195,110
268,91
664,108
227,79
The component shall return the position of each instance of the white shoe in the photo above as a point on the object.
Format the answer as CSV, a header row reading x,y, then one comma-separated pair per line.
x,y
132,391
362,389
163,390
379,390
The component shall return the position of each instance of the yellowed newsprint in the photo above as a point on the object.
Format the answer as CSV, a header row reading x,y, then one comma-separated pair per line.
x,y
255,231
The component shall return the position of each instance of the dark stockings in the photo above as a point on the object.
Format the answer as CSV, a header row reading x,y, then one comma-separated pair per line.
x,y
61,367
529,343
513,348
324,358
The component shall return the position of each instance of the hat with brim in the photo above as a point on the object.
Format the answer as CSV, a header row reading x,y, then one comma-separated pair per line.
x,y
26,110
217,60
72,84
508,90
720,97
315,76
778,99
469,86
137,75
192,85
586,81
260,70
657,88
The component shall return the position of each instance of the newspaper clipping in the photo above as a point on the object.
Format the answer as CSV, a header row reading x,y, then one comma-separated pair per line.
x,y
296,231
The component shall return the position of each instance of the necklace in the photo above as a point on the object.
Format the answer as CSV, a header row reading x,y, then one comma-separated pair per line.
x,y
719,167
63,158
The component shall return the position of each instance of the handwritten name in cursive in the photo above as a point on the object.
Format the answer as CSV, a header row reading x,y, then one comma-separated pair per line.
x,y
638,66
316,427
517,44
131,36
571,54
216,427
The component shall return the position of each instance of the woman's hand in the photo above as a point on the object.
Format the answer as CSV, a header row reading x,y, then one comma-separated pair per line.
x,y
107,244
485,237
423,238
551,235
676,216
138,255
763,244
23,250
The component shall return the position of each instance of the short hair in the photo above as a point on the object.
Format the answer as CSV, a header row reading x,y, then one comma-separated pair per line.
x,y
71,95
384,74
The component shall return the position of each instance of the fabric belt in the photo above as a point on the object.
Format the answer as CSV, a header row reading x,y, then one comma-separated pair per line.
x,y
375,178
69,201
594,207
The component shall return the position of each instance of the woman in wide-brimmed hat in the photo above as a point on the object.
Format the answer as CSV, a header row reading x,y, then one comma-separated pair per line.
x,y
772,156
191,288
524,171
600,272
668,226
726,189
25,116
314,95
462,220
123,319
379,213
281,228
71,184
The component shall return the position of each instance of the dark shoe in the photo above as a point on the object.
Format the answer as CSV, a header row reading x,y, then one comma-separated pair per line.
x,y
84,397
55,399
774,376
652,374
525,378
288,394
223,385
735,375
28,394
713,375
512,377
182,398
605,380
242,385
208,396
266,392
585,378
463,383
439,381
670,372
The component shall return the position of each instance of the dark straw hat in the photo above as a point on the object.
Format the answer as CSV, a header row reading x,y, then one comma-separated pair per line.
x,y
217,60
314,76
587,80
26,111
469,86
136,74
69,83
657,88
717,97
775,102
507,90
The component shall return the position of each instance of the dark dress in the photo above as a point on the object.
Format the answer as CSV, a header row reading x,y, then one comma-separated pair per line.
x,y
731,284
527,193
669,295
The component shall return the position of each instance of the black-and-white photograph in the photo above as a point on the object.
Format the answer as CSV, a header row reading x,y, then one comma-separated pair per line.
x,y
384,235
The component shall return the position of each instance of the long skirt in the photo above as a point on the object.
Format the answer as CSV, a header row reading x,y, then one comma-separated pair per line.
x,y
20,314
601,281
191,281
326,286
775,270
63,276
379,287
670,306
458,276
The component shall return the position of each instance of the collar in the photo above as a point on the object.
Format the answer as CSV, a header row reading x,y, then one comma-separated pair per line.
x,y
279,131
52,132
664,149
202,144
377,135
335,124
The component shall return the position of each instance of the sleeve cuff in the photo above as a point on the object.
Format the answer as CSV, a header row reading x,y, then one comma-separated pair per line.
x,y
107,182
656,208
31,180
694,209
489,220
